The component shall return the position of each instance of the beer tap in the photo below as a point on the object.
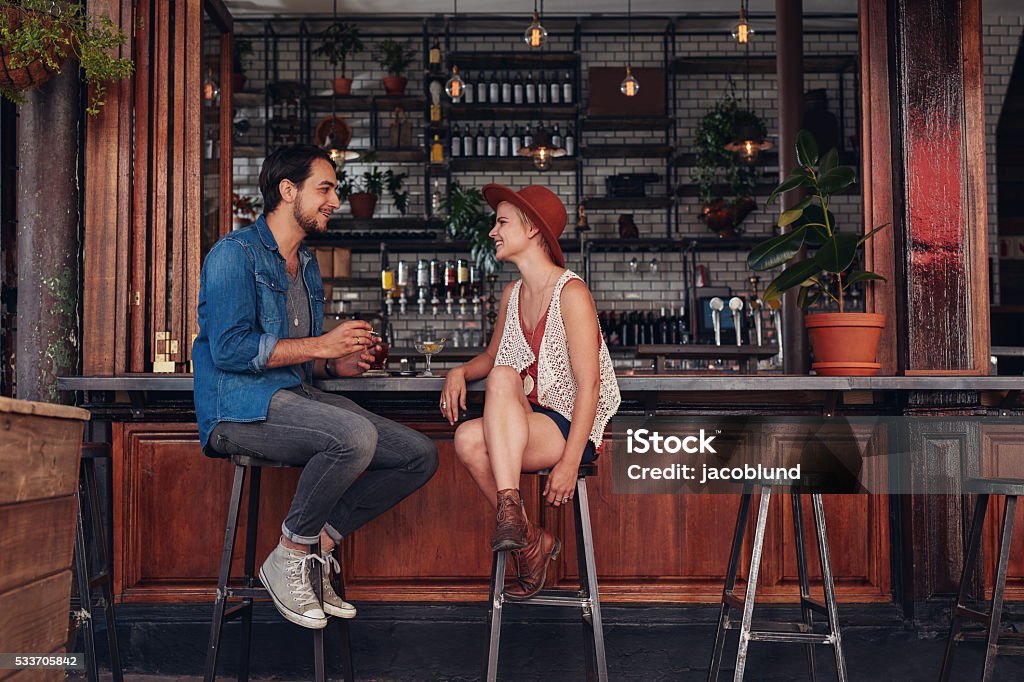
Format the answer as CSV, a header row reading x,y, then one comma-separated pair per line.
x,y
717,305
449,285
422,283
436,286
475,286
756,304
736,305
462,277
403,284
387,279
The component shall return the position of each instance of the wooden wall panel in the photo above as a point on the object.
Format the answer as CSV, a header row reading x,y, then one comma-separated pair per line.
x,y
1002,456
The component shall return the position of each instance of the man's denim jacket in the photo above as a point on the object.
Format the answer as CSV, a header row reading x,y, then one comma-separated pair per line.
x,y
243,294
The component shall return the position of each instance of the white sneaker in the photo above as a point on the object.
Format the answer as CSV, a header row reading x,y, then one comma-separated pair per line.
x,y
333,604
285,574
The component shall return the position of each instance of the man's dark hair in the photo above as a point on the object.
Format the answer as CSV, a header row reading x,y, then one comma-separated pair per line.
x,y
293,162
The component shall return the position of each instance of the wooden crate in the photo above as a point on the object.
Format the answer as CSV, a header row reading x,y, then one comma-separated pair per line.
x,y
40,445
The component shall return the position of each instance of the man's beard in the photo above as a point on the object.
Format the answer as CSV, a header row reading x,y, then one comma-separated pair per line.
x,y
307,222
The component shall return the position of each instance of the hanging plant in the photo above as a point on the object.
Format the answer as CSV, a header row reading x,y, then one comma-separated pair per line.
x,y
38,36
717,169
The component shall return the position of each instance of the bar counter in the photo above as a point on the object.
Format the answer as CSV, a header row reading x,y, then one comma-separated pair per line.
x,y
650,548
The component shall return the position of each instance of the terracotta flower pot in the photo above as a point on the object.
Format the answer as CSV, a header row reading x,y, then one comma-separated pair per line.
x,y
342,86
363,204
845,344
395,85
26,76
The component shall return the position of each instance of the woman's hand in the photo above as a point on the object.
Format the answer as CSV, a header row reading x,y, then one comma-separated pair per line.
x,y
561,484
453,395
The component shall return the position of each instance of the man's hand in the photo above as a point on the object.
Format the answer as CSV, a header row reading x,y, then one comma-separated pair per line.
x,y
351,365
349,337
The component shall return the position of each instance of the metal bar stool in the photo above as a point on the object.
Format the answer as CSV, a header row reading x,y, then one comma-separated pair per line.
x,y
792,633
251,587
1011,488
85,579
586,598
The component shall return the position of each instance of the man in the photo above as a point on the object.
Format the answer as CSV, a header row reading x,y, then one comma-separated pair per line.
x,y
260,345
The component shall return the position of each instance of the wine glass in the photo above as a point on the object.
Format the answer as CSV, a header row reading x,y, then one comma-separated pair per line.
x,y
428,346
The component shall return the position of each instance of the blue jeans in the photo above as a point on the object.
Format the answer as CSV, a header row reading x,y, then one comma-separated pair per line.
x,y
356,464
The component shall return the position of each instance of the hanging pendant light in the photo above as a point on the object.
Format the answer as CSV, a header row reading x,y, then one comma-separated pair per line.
x,y
748,140
535,34
333,145
454,86
629,85
743,31
541,150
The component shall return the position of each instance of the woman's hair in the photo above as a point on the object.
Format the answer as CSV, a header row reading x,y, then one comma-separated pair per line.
x,y
295,163
529,223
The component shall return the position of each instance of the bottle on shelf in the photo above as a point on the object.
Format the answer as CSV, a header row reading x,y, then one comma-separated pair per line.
x,y
530,90
527,137
517,89
402,284
462,278
481,141
492,142
503,143
456,142
623,329
517,140
570,142
435,199
661,333
434,58
542,89
481,90
650,326
451,284
468,90
436,150
555,88
567,88
436,285
493,89
506,89
556,136
422,283
683,326
468,146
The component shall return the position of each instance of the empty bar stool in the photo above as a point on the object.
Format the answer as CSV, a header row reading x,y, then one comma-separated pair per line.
x,y
586,598
1011,488
85,579
798,633
251,587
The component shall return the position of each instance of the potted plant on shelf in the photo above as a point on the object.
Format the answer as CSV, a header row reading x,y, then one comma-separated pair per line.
x,y
394,57
36,40
337,42
470,218
241,48
362,192
844,343
244,208
717,168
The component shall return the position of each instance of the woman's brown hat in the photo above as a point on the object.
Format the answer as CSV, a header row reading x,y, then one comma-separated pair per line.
x,y
542,206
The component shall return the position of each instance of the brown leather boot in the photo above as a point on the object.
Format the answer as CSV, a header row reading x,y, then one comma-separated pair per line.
x,y
510,531
541,548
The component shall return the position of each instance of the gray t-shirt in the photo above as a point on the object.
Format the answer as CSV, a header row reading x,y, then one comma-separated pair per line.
x,y
299,323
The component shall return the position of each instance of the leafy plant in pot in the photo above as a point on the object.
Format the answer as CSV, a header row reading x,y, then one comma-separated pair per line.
x,y
471,218
844,343
717,168
337,42
362,192
38,36
394,57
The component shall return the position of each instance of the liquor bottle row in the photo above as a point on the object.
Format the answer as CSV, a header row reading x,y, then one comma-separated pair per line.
x,y
635,328
505,89
465,142
433,283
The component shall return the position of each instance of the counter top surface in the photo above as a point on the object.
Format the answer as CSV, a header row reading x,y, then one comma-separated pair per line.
x,y
636,383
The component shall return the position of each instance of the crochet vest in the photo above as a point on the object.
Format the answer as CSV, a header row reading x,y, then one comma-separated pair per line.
x,y
556,385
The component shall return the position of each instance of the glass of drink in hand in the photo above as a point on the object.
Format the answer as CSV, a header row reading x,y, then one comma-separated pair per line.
x,y
428,347
380,358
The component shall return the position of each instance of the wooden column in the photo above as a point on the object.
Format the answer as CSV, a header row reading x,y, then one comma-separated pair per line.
x,y
939,186
789,51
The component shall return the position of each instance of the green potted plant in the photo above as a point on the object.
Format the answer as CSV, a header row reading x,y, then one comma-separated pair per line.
x,y
36,40
844,343
362,192
337,42
471,218
394,57
241,49
716,168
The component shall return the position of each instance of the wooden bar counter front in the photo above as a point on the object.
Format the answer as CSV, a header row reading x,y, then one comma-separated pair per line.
x,y
169,501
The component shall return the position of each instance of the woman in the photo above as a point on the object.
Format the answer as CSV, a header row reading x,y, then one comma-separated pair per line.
x,y
550,382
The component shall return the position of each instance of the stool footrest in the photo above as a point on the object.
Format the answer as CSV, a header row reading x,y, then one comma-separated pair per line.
x,y
791,637
733,601
236,610
1011,639
814,605
972,614
547,599
246,593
